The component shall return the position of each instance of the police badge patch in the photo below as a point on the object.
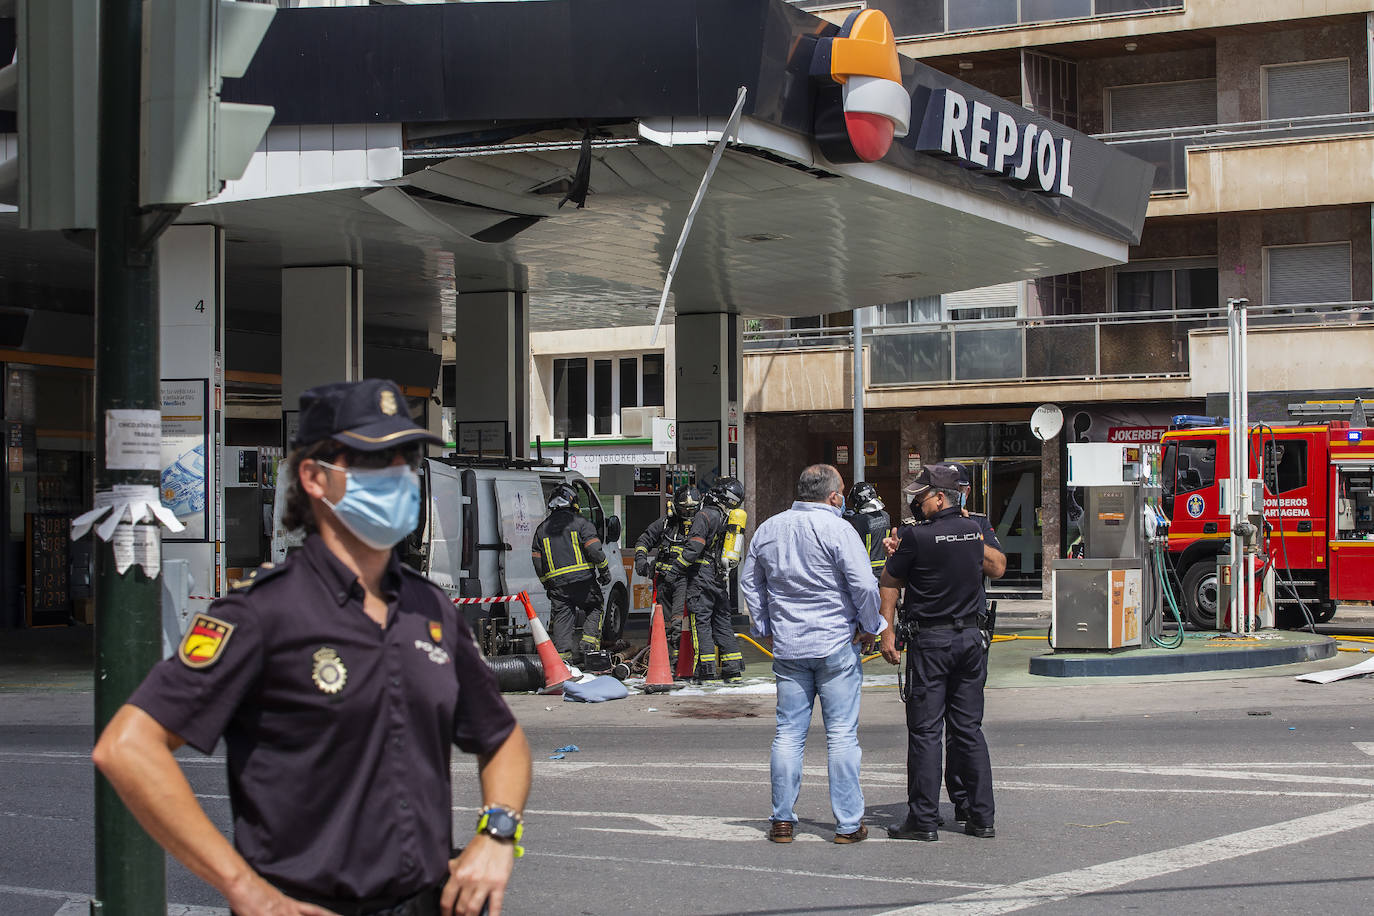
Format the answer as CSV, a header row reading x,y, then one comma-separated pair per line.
x,y
436,632
204,641
387,402
329,675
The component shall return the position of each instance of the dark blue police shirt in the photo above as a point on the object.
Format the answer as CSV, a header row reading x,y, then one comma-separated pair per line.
x,y
337,793
941,562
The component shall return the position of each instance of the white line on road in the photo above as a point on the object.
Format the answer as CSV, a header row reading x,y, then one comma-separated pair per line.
x,y
769,870
1365,746
1108,875
74,904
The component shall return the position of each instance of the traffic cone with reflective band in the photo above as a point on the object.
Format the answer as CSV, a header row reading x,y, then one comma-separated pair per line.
x,y
660,678
555,669
686,654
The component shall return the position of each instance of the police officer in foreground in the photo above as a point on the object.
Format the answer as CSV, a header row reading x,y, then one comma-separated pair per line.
x,y
570,561
869,518
339,681
665,538
708,595
940,563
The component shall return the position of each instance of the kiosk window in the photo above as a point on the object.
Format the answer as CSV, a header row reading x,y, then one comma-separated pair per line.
x,y
1285,465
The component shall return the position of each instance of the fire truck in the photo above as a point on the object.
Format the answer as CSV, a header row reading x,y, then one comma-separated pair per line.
x,y
1318,513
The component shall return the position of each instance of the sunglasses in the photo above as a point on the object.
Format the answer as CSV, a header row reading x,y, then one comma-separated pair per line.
x,y
372,461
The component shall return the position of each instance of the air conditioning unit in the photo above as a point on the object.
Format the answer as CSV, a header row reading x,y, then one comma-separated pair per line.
x,y
638,422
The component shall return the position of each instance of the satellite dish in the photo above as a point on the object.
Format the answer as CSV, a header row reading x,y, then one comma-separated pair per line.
x,y
1046,421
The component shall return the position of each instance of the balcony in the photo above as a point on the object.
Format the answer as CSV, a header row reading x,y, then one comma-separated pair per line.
x,y
1168,149
951,17
1114,346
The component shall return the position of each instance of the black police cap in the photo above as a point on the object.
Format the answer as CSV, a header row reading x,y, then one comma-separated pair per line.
x,y
939,476
366,416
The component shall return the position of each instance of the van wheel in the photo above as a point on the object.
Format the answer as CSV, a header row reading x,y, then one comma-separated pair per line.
x,y
1200,595
613,621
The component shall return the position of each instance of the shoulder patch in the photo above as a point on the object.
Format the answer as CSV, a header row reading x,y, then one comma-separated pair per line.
x,y
204,641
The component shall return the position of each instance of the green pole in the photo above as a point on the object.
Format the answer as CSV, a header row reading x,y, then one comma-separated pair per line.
x,y
130,872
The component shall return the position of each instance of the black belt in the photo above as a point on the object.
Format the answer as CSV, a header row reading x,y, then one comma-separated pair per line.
x,y
947,623
423,903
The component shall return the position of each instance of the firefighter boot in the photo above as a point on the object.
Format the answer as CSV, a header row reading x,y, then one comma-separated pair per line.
x,y
706,670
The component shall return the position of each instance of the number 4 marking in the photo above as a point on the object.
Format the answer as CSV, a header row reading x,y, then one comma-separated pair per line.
x,y
200,305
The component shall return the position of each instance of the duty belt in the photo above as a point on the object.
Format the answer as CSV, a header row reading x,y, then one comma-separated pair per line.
x,y
423,903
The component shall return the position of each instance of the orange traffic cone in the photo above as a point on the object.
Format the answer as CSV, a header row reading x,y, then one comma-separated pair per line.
x,y
555,670
686,655
659,678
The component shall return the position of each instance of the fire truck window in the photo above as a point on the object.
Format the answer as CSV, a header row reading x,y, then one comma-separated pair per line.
x,y
1285,465
1196,467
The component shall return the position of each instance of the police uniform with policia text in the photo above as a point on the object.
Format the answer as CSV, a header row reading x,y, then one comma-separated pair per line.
x,y
338,727
569,560
939,563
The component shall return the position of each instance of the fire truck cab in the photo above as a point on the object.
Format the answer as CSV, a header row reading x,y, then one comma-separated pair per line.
x,y
1318,511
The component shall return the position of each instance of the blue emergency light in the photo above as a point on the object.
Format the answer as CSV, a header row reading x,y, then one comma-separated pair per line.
x,y
1354,435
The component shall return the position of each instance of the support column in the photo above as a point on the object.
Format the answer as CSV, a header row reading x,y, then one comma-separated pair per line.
x,y
191,297
708,355
321,330
492,370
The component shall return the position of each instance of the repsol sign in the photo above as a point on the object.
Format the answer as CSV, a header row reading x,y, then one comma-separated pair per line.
x,y
977,136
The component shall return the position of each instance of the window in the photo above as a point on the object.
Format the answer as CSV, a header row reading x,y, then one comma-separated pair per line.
x,y
1190,466
602,394
1001,301
1306,89
1159,105
1299,274
653,380
1285,465
570,398
911,311
1162,286
589,507
629,381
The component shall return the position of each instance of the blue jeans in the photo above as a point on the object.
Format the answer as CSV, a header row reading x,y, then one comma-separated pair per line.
x,y
837,679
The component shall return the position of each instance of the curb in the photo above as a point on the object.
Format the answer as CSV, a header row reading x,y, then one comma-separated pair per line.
x,y
1136,664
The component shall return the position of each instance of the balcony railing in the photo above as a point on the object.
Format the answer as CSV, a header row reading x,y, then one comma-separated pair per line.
x,y
1049,348
1168,149
926,19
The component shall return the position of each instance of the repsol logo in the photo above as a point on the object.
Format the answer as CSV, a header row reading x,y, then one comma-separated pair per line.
x,y
971,536
995,142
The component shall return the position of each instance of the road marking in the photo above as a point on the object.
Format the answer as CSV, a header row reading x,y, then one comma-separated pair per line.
x,y
1247,775
768,870
75,904
1366,746
1109,875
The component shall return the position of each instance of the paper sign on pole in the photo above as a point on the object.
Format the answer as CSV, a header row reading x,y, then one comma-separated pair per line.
x,y
665,434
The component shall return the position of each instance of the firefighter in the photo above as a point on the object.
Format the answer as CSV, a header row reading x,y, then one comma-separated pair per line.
x,y
568,559
664,537
706,577
868,517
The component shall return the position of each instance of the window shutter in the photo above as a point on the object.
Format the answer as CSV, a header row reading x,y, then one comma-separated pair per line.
x,y
1302,90
1002,301
1309,273
1162,105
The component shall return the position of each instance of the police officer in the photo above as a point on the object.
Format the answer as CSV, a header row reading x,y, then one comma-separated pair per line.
x,y
570,561
664,538
940,563
866,513
338,681
708,596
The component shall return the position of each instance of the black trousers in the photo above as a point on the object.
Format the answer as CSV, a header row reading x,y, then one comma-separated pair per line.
x,y
672,595
708,604
947,669
568,601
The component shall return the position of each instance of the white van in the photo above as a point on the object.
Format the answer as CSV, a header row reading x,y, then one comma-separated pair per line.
x,y
477,522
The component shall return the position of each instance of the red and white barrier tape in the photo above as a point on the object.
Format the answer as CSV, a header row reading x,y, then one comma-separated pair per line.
x,y
496,600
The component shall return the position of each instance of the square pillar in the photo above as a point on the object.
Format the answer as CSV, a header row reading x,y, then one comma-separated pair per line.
x,y
708,355
190,264
321,329
492,368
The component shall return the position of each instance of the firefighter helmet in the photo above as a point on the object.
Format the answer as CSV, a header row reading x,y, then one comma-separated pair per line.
x,y
563,497
728,492
686,501
863,497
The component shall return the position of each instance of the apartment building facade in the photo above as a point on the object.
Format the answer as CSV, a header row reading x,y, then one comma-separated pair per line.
x,y
1257,117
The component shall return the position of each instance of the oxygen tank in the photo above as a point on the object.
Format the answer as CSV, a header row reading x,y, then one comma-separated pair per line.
x,y
734,538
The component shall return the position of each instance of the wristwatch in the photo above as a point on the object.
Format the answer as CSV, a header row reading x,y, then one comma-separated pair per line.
x,y
502,823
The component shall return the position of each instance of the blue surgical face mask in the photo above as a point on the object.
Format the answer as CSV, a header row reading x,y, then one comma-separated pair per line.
x,y
963,499
379,507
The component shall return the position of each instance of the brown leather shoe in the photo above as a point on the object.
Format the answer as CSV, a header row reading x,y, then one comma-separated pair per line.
x,y
858,836
780,832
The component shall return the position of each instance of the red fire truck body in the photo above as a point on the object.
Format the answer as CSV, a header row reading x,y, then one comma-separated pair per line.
x,y
1317,505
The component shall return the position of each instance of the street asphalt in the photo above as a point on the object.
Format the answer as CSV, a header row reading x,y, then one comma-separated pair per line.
x,y
1219,794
